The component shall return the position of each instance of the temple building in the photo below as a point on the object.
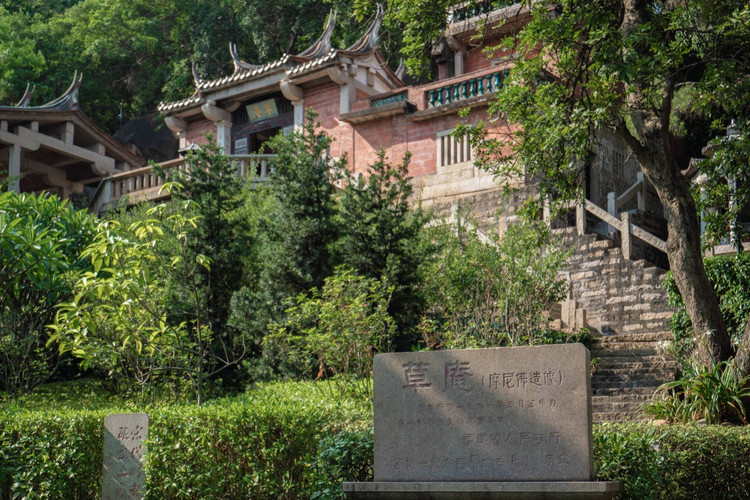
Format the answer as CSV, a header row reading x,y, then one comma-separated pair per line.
x,y
616,234
365,106
55,147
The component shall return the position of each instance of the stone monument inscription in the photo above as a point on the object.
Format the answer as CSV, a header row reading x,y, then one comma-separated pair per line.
x,y
124,434
506,414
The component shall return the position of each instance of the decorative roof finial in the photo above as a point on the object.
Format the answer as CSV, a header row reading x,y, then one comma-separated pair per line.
x,y
322,45
69,100
239,64
401,70
369,40
196,76
26,98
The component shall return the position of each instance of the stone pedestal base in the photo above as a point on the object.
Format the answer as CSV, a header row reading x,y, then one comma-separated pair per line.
x,y
516,490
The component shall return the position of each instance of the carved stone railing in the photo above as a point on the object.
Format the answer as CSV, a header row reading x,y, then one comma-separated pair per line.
x,y
623,224
638,190
471,87
144,185
390,99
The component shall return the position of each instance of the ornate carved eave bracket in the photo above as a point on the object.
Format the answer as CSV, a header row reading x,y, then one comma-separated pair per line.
x,y
369,40
239,64
322,45
69,100
214,113
177,125
27,95
291,91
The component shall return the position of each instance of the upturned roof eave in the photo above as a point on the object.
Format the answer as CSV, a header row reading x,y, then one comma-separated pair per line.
x,y
115,149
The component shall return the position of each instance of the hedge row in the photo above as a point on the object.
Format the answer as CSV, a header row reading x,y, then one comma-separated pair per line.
x,y
289,441
264,445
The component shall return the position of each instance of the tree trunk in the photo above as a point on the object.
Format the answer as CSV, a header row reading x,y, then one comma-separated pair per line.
x,y
742,358
684,249
652,146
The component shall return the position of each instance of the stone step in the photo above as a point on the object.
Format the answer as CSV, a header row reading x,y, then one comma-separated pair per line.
x,y
623,391
628,359
632,363
623,398
635,337
625,384
657,378
628,350
624,369
617,407
626,416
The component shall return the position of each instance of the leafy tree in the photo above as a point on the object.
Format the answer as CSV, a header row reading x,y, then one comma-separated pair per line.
x,y
120,316
296,229
654,73
338,329
211,180
41,245
382,236
22,61
304,226
135,53
490,292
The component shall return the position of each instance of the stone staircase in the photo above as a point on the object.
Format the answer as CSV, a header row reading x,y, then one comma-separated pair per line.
x,y
626,372
625,307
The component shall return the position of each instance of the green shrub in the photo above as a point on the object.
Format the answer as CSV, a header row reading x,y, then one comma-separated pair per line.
x,y
345,456
289,441
41,241
730,277
714,393
51,454
263,445
674,462
338,329
489,291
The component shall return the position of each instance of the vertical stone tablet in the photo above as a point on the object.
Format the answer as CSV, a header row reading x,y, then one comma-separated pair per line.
x,y
505,414
124,434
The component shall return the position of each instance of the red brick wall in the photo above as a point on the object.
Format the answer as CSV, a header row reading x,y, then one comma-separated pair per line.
x,y
397,135
196,131
477,60
324,100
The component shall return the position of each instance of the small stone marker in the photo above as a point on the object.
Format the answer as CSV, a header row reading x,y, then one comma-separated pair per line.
x,y
124,434
512,422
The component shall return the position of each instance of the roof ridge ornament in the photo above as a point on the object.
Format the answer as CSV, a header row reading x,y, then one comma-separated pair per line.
x,y
196,75
239,64
401,70
322,46
27,95
369,40
69,100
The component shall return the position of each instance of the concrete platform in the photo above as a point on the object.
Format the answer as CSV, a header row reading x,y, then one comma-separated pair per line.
x,y
517,490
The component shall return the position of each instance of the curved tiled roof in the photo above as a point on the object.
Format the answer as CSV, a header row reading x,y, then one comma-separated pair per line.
x,y
311,59
66,102
184,103
302,68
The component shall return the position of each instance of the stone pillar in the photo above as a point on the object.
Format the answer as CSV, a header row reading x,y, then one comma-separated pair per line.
x,y
459,53
299,114
224,135
223,120
296,95
14,168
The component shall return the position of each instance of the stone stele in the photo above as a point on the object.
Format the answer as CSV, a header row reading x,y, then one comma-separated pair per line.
x,y
124,434
505,414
